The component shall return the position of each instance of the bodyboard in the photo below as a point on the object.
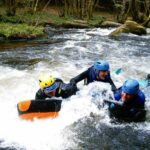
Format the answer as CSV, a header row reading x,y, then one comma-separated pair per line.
x,y
30,109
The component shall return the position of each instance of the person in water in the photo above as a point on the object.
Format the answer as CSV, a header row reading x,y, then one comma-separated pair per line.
x,y
98,72
133,102
54,87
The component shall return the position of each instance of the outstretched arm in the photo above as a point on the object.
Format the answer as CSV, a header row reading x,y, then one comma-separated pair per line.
x,y
113,87
80,77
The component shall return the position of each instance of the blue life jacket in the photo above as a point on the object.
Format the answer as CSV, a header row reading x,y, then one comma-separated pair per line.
x,y
139,99
94,76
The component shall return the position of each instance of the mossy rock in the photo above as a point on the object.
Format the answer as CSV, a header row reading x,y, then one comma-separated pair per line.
x,y
129,27
135,28
119,30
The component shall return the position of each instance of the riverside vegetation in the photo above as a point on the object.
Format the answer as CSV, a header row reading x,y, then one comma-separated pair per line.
x,y
27,19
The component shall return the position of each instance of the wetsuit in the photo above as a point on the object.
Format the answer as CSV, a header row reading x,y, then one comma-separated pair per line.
x,y
92,75
63,90
132,110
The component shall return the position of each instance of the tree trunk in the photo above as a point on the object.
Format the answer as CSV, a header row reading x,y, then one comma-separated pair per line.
x,y
145,24
61,5
124,13
79,8
11,7
147,7
134,10
70,7
82,8
65,7
75,8
130,7
36,5
89,9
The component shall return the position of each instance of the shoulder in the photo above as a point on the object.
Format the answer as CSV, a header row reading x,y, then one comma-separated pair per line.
x,y
39,92
89,69
141,97
87,72
60,83
59,80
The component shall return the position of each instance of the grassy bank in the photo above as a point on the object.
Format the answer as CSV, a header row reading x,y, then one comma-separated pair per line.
x,y
9,30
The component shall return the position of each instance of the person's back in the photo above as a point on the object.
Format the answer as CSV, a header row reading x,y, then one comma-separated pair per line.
x,y
54,87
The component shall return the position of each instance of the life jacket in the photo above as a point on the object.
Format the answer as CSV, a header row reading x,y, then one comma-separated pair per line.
x,y
94,76
139,98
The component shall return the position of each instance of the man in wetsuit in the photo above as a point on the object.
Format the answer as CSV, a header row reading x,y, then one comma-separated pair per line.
x,y
133,102
54,87
98,72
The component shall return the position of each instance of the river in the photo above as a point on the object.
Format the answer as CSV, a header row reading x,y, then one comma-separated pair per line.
x,y
82,123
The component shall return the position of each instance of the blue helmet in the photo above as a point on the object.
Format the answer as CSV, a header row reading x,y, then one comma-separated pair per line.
x,y
101,66
130,87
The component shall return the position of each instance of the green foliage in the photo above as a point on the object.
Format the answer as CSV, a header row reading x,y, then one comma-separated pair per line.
x,y
97,20
39,18
60,20
8,30
12,19
118,6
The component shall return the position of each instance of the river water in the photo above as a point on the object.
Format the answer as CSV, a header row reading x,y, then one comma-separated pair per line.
x,y
83,122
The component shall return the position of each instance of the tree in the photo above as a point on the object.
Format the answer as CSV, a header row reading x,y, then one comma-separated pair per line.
x,y
89,9
133,9
10,7
79,8
146,12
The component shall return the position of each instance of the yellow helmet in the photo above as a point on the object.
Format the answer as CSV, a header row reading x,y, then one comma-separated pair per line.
x,y
46,80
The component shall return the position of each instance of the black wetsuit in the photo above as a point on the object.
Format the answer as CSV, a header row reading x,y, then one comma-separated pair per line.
x,y
92,75
63,90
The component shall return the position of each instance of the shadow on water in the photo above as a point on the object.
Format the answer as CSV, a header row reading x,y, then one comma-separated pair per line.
x,y
90,133
21,63
7,45
24,54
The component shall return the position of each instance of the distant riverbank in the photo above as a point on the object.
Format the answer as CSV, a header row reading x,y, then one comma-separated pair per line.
x,y
26,25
